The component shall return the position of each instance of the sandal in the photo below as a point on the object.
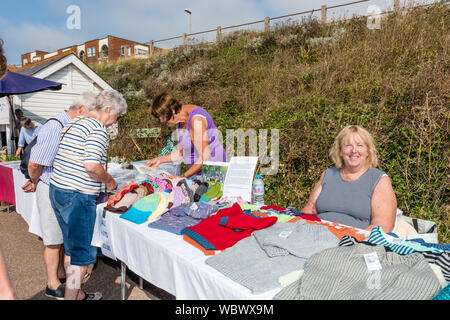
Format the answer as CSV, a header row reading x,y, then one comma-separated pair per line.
x,y
92,296
88,274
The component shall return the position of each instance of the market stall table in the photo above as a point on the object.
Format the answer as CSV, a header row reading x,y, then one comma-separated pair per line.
x,y
166,260
157,256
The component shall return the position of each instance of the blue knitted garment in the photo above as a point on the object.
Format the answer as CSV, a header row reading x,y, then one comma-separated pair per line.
x,y
444,294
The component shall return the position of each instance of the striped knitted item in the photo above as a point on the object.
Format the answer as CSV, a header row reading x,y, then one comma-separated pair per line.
x,y
341,274
377,236
347,241
440,259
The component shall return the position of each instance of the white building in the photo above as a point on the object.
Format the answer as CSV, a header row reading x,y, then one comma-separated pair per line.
x,y
75,76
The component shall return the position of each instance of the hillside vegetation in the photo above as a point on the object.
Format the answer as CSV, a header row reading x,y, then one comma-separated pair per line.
x,y
309,81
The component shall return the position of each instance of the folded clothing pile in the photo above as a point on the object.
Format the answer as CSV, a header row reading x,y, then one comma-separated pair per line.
x,y
148,208
225,228
258,262
183,216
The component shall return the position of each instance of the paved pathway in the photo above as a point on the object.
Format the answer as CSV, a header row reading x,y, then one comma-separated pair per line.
x,y
23,253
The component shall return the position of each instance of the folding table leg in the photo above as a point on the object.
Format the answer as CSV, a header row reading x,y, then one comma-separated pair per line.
x,y
123,268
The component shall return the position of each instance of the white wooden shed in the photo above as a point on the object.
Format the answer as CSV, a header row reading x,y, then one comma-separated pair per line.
x,y
75,76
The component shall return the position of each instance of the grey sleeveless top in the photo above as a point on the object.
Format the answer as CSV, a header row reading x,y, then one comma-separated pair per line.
x,y
347,202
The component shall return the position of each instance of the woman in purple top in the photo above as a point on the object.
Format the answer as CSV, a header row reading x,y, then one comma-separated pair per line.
x,y
198,137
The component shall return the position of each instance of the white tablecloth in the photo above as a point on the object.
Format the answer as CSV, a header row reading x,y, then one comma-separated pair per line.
x,y
26,204
159,257
167,261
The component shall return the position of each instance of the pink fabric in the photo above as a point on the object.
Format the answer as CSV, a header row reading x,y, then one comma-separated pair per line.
x,y
7,185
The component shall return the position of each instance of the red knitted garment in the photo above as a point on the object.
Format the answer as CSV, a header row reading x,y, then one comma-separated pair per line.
x,y
225,228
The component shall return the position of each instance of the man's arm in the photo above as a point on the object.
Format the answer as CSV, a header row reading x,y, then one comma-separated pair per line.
x,y
35,171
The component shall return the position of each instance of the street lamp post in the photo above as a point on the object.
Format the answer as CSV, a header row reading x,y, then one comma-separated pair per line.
x,y
190,21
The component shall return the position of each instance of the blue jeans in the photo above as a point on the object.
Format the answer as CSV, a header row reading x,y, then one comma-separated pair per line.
x,y
76,213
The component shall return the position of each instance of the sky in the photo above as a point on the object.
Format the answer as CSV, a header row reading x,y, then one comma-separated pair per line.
x,y
29,25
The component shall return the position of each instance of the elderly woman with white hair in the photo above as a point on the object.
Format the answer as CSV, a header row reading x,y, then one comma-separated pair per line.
x,y
354,192
78,174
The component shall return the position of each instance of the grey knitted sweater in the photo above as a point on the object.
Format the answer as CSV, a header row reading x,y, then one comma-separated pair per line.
x,y
341,274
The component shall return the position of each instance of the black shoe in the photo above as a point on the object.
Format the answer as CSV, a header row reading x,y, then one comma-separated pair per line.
x,y
57,294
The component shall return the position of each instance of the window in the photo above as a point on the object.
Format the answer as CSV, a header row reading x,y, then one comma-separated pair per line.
x,y
141,51
91,52
105,51
25,61
126,50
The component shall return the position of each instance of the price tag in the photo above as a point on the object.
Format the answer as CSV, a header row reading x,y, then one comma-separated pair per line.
x,y
372,261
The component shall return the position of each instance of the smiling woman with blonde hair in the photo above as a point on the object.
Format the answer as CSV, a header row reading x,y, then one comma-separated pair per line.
x,y
354,192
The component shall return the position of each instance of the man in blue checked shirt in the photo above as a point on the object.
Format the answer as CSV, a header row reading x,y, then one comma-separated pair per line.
x,y
40,168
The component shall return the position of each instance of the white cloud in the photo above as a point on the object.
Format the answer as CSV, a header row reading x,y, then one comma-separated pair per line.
x,y
28,37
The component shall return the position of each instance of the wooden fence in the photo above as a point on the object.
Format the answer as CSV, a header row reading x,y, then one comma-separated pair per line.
x,y
323,11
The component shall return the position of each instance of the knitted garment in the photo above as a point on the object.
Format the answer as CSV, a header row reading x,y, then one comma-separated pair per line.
x,y
299,239
186,190
226,227
306,216
280,217
152,183
163,185
200,210
168,148
431,245
195,184
444,294
339,230
442,260
201,190
113,199
214,191
377,236
247,264
141,210
125,204
272,207
195,244
161,208
174,221
342,274
178,196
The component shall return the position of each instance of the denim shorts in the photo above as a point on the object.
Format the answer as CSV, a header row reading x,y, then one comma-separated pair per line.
x,y
76,213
